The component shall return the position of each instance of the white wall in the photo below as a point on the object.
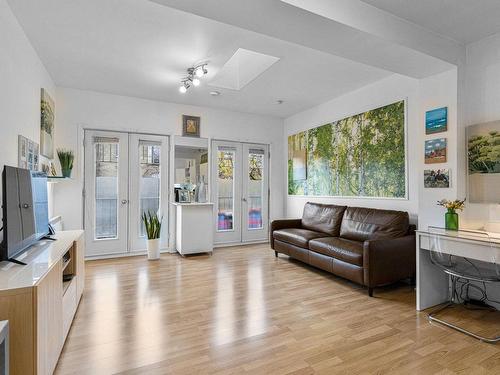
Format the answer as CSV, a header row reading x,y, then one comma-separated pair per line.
x,y
22,75
482,97
434,92
386,91
77,109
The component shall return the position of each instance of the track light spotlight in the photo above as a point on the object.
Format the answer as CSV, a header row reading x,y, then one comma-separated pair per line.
x,y
193,77
184,87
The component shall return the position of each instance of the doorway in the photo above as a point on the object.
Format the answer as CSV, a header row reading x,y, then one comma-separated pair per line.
x,y
126,174
240,192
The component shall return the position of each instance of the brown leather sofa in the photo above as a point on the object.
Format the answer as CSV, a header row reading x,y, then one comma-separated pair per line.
x,y
368,246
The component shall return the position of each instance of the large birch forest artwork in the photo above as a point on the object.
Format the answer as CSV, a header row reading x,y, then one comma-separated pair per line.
x,y
359,156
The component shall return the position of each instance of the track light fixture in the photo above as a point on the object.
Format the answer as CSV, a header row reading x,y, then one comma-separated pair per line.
x,y
193,77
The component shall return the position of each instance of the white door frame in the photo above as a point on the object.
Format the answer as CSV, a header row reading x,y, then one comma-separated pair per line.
x,y
126,248
236,236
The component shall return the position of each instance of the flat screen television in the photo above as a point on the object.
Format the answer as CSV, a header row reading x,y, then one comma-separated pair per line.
x,y
25,210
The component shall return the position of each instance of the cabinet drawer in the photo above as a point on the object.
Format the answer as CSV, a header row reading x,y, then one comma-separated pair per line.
x,y
69,307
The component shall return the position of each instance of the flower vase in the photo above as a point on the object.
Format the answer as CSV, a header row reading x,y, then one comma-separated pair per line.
x,y
451,220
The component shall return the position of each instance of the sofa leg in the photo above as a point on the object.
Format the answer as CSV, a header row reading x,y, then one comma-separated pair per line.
x,y
276,254
370,292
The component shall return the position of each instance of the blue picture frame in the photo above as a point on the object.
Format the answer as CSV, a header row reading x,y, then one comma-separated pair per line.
x,y
436,120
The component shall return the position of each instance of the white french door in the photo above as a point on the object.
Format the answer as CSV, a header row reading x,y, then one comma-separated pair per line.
x,y
240,191
125,175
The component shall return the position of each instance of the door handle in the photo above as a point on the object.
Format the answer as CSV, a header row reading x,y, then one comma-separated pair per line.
x,y
124,201
244,199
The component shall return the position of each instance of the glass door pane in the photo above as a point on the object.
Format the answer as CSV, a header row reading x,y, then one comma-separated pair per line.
x,y
225,189
106,187
149,186
255,188
255,193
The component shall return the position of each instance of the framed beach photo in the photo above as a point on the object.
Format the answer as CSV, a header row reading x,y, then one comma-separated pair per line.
x,y
190,126
436,120
435,151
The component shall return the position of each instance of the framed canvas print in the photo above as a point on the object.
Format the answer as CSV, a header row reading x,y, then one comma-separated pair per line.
x,y
324,160
47,117
437,178
483,149
435,151
436,120
190,126
28,153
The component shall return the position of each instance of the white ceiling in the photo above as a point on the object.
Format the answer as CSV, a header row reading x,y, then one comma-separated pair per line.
x,y
139,48
465,21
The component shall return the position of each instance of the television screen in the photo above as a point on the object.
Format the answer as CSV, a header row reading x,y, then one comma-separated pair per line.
x,y
25,210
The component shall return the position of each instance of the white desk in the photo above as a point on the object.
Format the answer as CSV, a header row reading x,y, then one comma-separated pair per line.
x,y
432,283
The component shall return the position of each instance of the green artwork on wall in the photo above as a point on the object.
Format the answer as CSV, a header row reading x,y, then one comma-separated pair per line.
x,y
362,155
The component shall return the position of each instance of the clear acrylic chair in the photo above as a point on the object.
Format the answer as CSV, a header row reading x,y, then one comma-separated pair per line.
x,y
469,273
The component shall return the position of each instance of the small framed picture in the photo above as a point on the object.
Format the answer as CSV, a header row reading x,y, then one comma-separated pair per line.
x,y
436,121
437,178
435,151
184,196
190,126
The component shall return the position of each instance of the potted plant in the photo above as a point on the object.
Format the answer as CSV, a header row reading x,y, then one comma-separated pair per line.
x,y
152,223
451,216
66,158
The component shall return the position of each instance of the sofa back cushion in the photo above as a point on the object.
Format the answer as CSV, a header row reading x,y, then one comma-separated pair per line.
x,y
325,218
361,224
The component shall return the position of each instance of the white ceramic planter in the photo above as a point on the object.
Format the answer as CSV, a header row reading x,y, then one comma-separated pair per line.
x,y
153,249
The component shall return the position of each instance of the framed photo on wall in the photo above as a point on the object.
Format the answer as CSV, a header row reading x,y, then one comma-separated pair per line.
x,y
47,116
28,153
190,126
436,121
435,151
437,178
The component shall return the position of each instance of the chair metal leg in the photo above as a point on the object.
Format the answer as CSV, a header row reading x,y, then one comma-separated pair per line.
x,y
451,303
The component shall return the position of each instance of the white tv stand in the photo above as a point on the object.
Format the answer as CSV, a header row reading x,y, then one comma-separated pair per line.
x,y
40,300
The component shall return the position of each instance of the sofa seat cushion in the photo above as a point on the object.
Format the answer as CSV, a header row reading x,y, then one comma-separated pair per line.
x,y
339,248
297,236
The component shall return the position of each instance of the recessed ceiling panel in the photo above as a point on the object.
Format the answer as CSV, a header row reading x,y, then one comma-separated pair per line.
x,y
242,68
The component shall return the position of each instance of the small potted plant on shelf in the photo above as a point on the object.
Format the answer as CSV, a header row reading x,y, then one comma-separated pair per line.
x,y
451,216
66,158
152,223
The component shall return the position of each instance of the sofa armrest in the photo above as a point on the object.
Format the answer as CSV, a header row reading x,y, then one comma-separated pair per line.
x,y
388,260
283,224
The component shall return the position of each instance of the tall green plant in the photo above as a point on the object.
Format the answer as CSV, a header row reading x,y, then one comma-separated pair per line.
x,y
66,158
152,223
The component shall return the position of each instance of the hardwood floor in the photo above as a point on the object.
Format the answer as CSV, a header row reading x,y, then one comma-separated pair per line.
x,y
244,311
